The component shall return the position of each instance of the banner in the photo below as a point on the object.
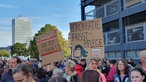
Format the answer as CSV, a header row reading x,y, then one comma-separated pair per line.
x,y
85,36
49,47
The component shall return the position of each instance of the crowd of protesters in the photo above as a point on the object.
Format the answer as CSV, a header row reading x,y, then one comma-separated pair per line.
x,y
73,70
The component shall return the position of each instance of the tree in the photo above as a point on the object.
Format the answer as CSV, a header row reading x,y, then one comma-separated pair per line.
x,y
33,48
4,53
19,49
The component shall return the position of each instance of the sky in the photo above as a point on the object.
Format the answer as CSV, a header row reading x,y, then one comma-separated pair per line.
x,y
58,13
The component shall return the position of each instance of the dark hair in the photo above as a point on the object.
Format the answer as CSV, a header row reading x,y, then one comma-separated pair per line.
x,y
17,59
57,79
40,73
131,62
83,60
24,68
90,76
140,71
112,62
126,67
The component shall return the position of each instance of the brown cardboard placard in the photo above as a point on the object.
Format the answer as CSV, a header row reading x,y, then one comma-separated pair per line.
x,y
87,35
49,47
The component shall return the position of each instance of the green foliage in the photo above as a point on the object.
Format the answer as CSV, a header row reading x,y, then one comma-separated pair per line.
x,y
33,48
33,51
19,50
4,53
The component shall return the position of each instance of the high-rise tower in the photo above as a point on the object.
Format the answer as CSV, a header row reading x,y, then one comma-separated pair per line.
x,y
21,30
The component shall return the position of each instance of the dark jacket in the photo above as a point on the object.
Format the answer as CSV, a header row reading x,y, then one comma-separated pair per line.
x,y
41,75
45,79
139,66
74,78
7,77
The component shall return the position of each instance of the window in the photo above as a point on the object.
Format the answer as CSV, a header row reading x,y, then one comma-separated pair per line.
x,y
112,8
118,54
111,54
130,54
113,37
100,12
106,55
104,36
138,53
129,3
135,34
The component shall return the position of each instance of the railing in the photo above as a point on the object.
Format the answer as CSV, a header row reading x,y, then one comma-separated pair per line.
x,y
103,11
111,8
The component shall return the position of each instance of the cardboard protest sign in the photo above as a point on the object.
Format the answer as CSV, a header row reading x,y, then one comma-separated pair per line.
x,y
87,35
49,47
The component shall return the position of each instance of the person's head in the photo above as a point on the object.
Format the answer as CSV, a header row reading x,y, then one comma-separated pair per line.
x,y
112,62
49,67
22,73
57,79
40,73
14,62
137,75
83,62
92,64
6,67
131,60
90,76
99,62
70,67
122,65
143,57
57,72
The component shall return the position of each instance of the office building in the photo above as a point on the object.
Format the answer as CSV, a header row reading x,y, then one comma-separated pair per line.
x,y
21,30
124,25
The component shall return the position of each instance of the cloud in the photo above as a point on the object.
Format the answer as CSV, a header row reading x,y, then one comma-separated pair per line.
x,y
7,6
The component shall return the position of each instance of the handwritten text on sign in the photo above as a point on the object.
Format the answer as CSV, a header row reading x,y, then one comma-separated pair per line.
x,y
48,45
87,34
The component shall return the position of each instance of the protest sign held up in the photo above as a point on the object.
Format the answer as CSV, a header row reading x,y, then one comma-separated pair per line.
x,y
49,47
87,36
